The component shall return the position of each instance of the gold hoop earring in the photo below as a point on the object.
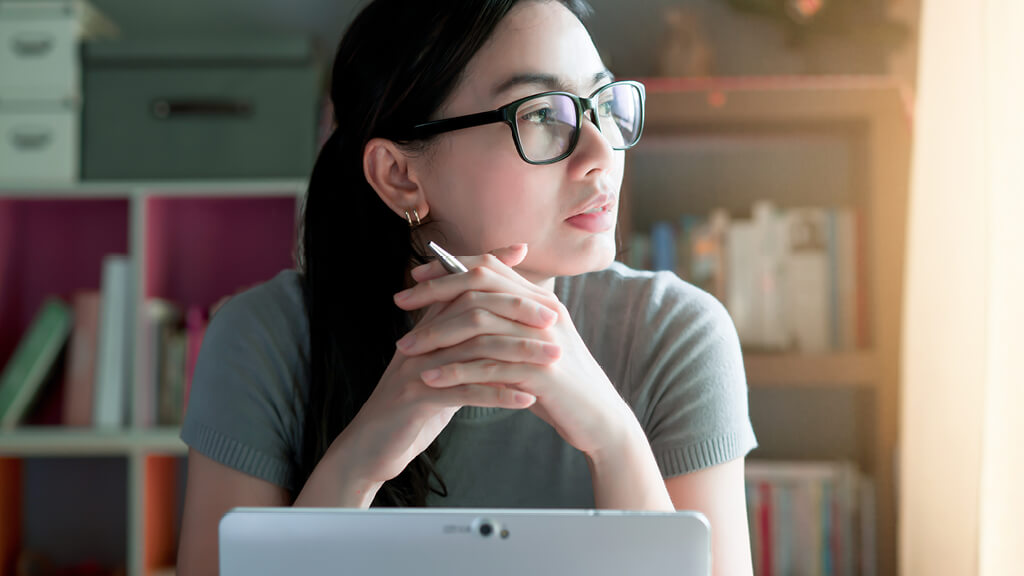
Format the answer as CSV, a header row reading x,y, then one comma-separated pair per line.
x,y
409,219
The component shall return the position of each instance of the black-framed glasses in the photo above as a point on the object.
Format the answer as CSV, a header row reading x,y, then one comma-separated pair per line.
x,y
546,126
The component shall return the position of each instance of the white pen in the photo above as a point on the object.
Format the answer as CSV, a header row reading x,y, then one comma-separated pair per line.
x,y
450,263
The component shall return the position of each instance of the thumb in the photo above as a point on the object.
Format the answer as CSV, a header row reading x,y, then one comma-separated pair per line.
x,y
512,255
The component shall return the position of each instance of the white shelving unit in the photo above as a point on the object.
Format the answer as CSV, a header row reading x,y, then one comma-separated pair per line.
x,y
151,455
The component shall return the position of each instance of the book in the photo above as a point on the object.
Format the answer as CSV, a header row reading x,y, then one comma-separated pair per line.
x,y
111,400
743,297
663,246
807,279
753,523
765,515
771,329
80,370
33,361
846,291
782,529
172,380
162,318
688,226
861,266
718,226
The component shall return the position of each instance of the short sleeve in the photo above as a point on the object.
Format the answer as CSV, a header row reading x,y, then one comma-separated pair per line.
x,y
244,406
689,382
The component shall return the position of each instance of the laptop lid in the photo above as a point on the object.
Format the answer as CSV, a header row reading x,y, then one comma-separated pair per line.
x,y
462,542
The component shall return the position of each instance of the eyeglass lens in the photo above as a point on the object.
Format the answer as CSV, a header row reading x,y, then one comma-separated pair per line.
x,y
547,124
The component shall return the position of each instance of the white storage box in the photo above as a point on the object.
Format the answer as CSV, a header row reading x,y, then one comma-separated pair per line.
x,y
39,143
39,50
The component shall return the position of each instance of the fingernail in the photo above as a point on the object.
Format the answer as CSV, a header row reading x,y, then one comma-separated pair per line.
x,y
407,341
552,350
431,375
403,295
547,315
524,398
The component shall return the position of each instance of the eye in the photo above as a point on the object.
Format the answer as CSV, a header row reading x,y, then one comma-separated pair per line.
x,y
540,116
606,108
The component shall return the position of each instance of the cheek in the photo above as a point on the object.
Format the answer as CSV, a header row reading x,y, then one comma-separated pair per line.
x,y
497,198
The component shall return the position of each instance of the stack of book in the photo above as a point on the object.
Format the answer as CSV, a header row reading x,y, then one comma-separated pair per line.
x,y
792,280
810,519
80,353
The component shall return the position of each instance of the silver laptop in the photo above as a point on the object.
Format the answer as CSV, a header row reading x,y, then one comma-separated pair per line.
x,y
462,542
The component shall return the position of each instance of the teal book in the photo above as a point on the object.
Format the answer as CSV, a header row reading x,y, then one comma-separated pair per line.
x,y
33,360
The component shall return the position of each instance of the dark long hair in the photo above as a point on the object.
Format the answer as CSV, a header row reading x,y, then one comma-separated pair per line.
x,y
396,65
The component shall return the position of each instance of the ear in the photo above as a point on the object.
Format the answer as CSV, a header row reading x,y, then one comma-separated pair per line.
x,y
387,169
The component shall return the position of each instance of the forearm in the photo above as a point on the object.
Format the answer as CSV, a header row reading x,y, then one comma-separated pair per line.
x,y
333,482
626,477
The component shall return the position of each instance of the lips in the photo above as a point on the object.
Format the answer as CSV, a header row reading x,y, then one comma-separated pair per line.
x,y
602,220
604,200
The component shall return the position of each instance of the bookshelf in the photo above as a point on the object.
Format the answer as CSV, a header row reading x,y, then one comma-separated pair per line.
x,y
192,242
858,128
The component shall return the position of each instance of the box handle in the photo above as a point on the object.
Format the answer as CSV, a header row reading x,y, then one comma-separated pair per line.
x,y
31,138
164,109
32,44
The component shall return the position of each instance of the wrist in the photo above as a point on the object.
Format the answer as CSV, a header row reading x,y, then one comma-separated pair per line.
x,y
356,483
626,475
624,440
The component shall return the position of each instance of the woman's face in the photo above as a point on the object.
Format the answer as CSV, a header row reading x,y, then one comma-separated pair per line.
x,y
479,191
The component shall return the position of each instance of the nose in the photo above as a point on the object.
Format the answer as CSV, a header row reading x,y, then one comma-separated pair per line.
x,y
593,151
590,109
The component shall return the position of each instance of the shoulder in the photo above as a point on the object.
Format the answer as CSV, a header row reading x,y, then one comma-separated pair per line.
x,y
259,337
675,348
275,304
268,318
249,385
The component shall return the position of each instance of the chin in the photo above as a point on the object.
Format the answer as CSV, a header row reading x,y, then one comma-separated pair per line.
x,y
594,257
569,259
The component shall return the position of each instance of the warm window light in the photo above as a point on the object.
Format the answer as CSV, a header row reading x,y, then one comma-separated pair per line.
x,y
963,380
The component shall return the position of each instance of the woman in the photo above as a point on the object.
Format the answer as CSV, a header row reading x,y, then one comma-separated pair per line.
x,y
546,376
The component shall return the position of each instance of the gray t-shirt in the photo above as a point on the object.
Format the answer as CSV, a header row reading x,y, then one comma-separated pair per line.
x,y
670,349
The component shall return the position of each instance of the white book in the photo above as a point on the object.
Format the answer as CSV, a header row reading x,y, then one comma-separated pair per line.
x,y
114,358
743,300
773,333
807,279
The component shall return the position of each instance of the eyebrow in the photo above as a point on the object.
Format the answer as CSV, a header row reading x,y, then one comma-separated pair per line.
x,y
548,81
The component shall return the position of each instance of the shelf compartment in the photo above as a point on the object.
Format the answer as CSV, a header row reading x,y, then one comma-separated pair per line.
x,y
199,248
53,247
62,501
162,511
854,369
